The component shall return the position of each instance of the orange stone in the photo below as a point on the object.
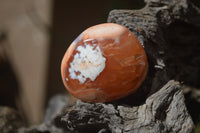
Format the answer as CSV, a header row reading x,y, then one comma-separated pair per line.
x,y
104,63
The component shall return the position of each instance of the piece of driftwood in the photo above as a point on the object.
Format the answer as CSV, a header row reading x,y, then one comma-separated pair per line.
x,y
157,27
169,31
162,112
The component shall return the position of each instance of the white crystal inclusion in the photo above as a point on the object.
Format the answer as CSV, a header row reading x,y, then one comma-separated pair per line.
x,y
87,63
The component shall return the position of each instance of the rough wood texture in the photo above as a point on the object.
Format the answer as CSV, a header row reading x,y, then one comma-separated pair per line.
x,y
169,31
157,27
158,106
162,112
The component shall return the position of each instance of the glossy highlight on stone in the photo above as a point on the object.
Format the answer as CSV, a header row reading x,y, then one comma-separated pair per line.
x,y
104,63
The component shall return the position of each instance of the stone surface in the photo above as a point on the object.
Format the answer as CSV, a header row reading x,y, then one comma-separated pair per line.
x,y
104,63
162,112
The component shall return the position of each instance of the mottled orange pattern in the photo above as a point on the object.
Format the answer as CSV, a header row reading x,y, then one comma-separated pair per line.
x,y
125,68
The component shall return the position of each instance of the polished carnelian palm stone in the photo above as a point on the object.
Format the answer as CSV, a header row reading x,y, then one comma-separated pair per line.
x,y
104,63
